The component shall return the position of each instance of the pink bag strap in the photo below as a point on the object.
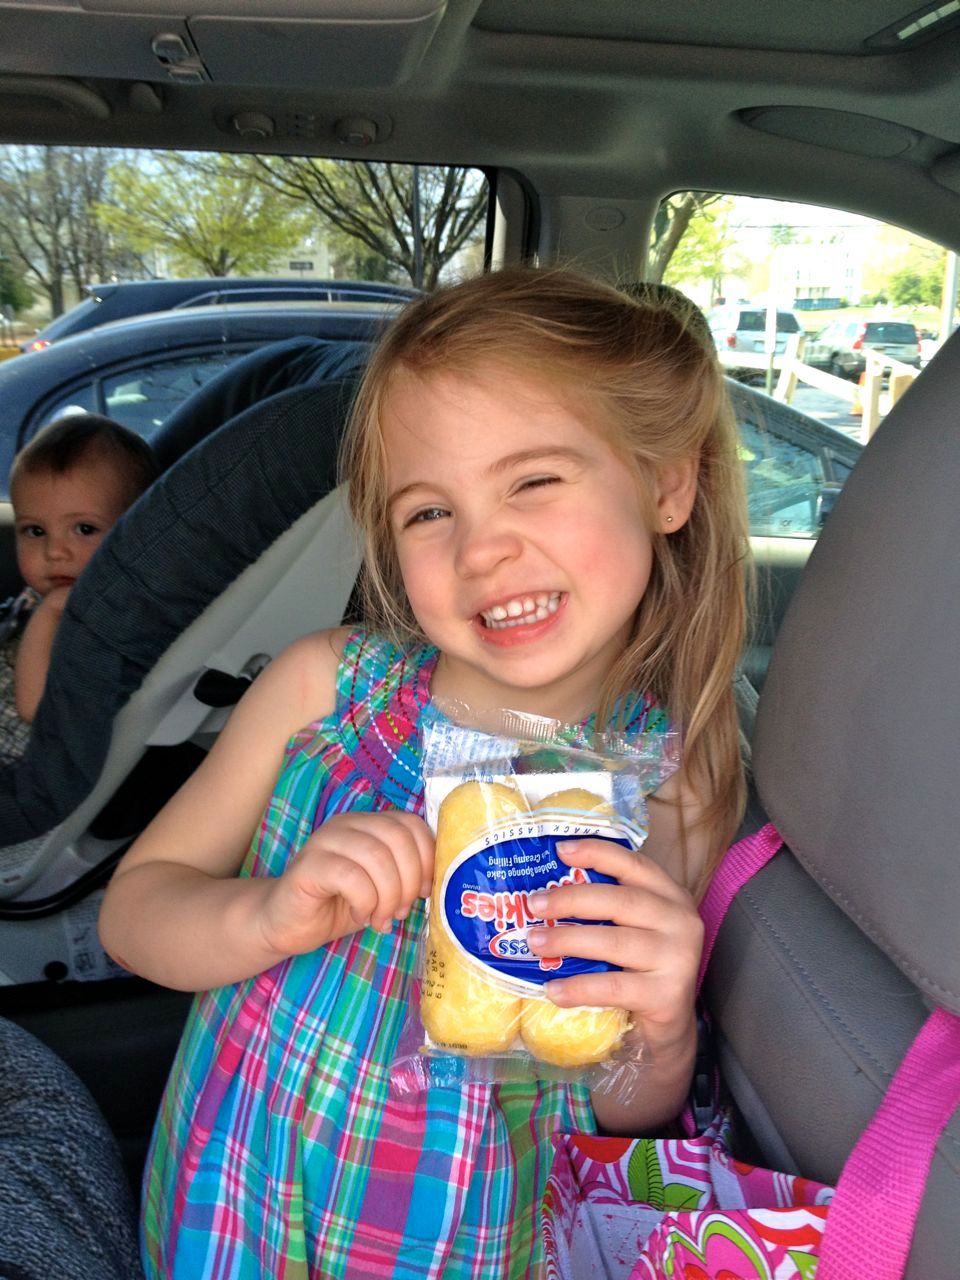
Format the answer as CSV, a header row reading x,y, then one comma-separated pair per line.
x,y
878,1195
875,1206
741,861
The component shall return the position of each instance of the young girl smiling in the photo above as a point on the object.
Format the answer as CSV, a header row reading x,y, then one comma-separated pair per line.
x,y
546,477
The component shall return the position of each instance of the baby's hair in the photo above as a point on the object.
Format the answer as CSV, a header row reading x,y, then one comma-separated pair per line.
x,y
642,371
80,438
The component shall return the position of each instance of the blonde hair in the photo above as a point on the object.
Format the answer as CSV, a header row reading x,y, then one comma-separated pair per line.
x,y
646,369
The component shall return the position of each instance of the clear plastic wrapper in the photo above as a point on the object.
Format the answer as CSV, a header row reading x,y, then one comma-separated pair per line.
x,y
499,798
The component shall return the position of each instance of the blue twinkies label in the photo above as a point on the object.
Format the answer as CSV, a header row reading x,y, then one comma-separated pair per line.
x,y
484,897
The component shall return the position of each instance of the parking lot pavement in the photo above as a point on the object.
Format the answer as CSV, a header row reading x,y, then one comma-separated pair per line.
x,y
829,409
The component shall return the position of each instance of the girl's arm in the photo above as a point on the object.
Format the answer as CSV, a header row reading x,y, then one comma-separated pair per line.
x,y
656,940
33,652
175,911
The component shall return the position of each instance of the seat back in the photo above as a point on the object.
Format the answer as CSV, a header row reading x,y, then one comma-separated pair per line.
x,y
831,958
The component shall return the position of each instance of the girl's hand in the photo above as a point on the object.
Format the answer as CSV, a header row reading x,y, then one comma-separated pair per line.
x,y
358,869
656,938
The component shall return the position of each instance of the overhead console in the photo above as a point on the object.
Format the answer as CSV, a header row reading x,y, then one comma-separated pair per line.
x,y
339,44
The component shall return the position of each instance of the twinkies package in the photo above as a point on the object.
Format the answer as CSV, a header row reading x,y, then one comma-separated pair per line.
x,y
500,795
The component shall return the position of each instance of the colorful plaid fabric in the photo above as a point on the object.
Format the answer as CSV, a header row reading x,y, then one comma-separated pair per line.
x,y
280,1151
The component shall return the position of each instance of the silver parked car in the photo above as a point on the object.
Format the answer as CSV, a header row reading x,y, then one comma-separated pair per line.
x,y
842,346
741,328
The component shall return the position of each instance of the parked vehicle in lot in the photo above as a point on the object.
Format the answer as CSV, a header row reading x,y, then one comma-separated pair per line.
x,y
741,328
106,302
140,369
586,122
842,346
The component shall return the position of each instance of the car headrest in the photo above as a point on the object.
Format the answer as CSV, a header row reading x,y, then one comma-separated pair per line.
x,y
855,751
176,549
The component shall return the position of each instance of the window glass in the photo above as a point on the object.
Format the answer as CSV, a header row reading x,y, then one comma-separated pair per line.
x,y
784,482
81,399
859,293
887,332
144,398
752,321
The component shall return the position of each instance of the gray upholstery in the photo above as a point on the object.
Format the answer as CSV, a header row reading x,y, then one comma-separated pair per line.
x,y
873,632
831,957
65,1206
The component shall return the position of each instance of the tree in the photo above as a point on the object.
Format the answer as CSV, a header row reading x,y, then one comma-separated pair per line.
x,y
674,218
906,288
202,212
47,225
915,288
690,239
15,293
411,220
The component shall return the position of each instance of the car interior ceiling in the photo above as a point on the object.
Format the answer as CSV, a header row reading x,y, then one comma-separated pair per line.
x,y
585,117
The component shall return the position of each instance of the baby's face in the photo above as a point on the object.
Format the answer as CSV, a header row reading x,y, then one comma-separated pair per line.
x,y
62,519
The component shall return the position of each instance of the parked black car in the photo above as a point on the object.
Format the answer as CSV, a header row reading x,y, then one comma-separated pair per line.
x,y
140,369
106,302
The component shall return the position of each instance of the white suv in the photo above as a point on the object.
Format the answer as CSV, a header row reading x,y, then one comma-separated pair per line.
x,y
740,328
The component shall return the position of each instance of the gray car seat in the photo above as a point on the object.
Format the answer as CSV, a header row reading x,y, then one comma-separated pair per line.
x,y
241,546
831,957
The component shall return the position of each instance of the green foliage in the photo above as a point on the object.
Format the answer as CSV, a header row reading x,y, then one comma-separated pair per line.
x,y
202,213
14,290
690,240
403,221
914,288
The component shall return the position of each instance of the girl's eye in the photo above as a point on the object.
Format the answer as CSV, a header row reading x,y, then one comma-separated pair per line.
x,y
87,530
537,482
424,515
32,531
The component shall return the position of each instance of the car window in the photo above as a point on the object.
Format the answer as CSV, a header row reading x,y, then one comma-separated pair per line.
x,y
886,331
82,399
144,398
848,282
752,321
784,483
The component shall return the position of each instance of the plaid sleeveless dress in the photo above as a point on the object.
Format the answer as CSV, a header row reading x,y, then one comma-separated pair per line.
x,y
279,1150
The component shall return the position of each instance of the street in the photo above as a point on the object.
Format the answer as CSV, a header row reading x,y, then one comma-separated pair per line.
x,y
828,409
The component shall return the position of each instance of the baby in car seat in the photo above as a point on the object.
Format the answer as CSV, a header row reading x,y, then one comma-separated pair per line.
x,y
68,487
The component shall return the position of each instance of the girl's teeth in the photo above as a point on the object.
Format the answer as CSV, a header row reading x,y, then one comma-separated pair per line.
x,y
522,610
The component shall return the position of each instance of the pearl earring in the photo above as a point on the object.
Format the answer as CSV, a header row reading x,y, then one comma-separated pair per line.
x,y
669,520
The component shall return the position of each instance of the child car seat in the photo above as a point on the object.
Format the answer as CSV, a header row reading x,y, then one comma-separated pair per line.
x,y
241,546
831,957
